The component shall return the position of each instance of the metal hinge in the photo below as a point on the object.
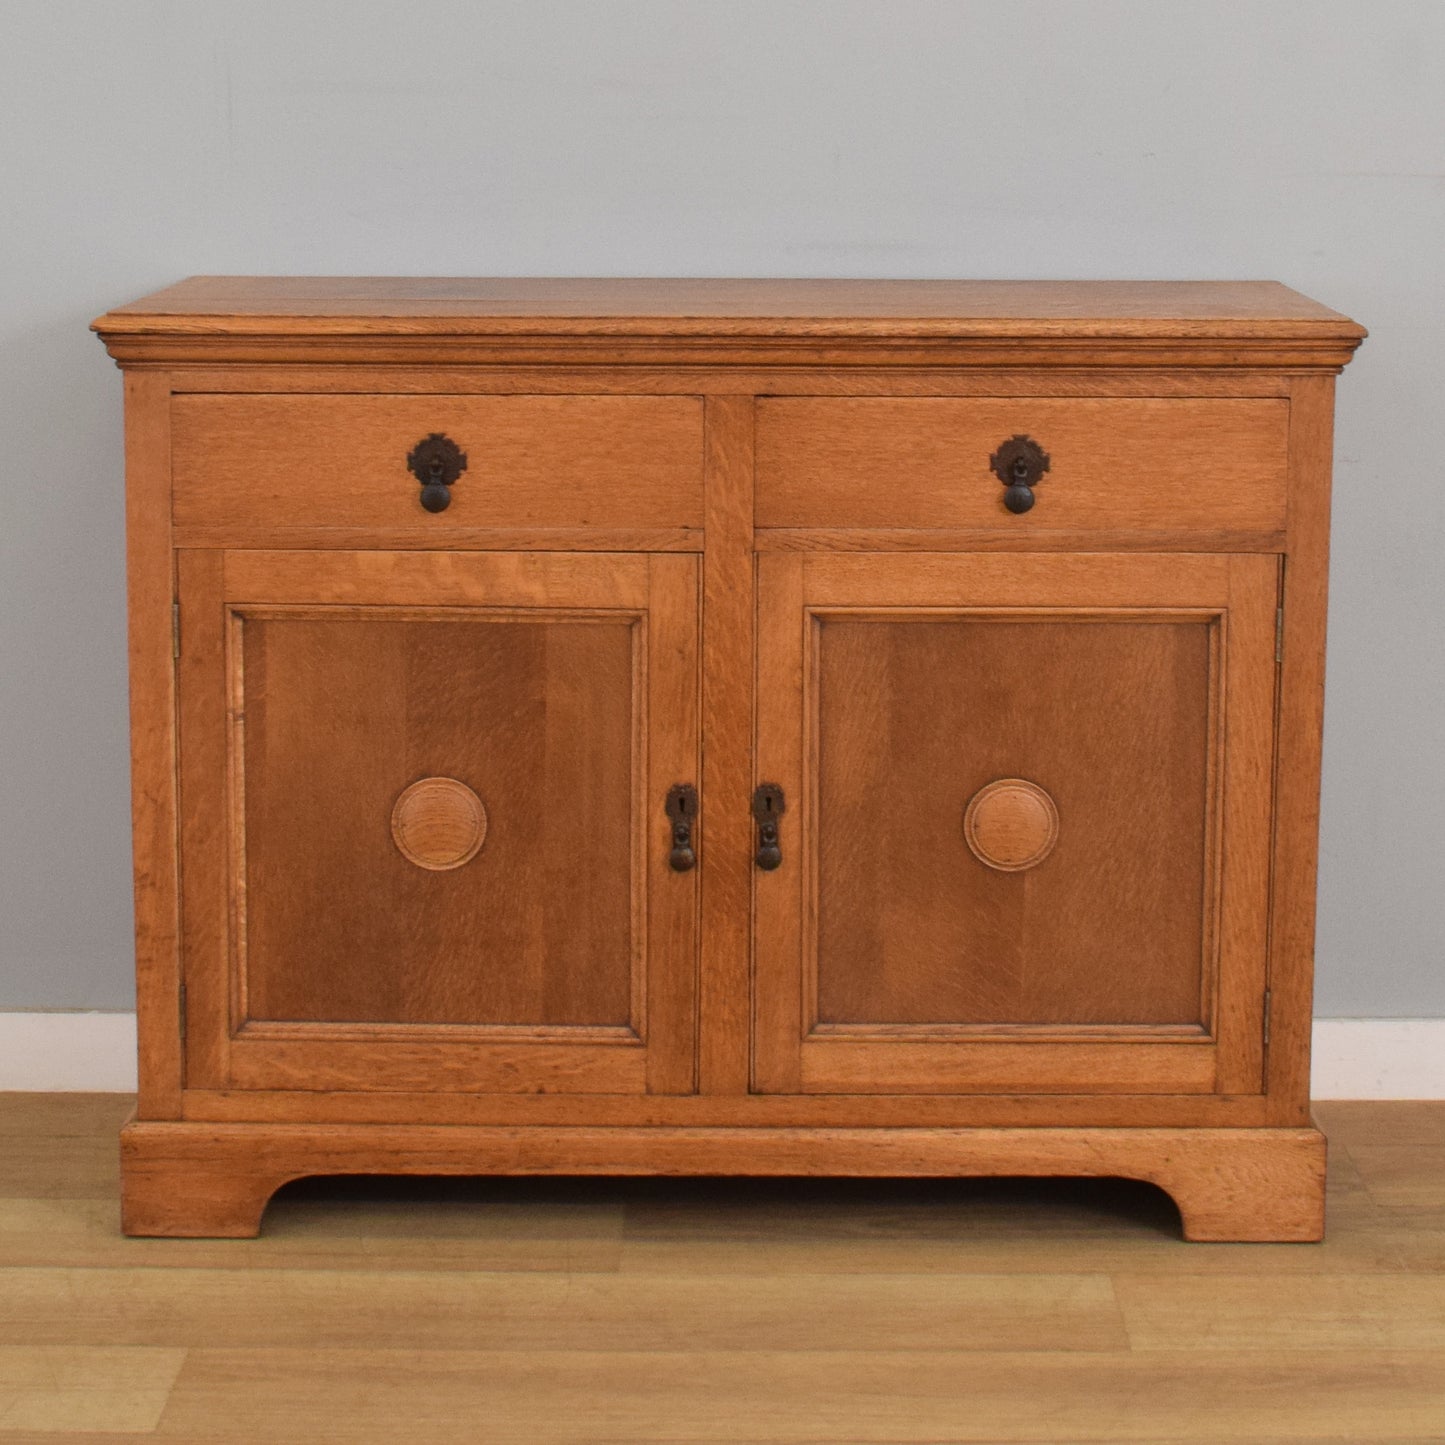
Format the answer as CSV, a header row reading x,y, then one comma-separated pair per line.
x,y
175,629
1279,634
1267,1001
183,1010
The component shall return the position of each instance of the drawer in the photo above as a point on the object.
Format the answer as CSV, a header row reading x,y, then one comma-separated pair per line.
x,y
340,461
1150,465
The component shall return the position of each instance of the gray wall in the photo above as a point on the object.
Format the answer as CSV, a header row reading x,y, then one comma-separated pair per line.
x,y
141,141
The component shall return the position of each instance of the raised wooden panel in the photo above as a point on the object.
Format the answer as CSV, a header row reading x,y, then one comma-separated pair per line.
x,y
306,463
1130,464
1110,715
427,836
344,715
1129,700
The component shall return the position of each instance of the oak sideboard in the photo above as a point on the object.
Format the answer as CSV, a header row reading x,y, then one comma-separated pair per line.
x,y
726,727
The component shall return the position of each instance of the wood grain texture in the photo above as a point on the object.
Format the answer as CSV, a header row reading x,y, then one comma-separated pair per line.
x,y
1111,715
240,1308
1049,1311
530,713
1086,1107
1115,465
1404,1124
693,305
1231,1184
55,1388
704,378
724,996
1342,1312
1243,833
538,685
809,322
438,579
458,539
1309,353
780,919
205,768
1011,824
150,591
1002,539
884,976
438,823
373,1226
613,430
1301,725
673,755
860,1396
325,462
971,1059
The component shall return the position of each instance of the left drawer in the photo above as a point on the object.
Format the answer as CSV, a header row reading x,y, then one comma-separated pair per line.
x,y
340,462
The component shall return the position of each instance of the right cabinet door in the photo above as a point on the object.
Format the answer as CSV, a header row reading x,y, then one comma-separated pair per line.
x,y
1026,829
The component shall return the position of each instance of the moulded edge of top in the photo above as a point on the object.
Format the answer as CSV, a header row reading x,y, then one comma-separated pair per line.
x,y
211,319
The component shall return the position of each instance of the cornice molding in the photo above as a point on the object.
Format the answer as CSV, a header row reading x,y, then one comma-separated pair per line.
x,y
153,347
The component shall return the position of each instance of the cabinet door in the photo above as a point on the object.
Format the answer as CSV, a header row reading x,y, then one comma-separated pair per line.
x,y
424,833
1026,838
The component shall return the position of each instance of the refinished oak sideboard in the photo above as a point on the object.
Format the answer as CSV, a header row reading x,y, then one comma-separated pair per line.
x,y
726,727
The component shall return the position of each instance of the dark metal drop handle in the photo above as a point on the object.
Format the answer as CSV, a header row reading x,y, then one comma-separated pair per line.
x,y
1019,464
769,805
1018,496
681,810
436,496
436,461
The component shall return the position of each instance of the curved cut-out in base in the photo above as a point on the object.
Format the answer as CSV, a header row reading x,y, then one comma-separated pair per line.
x,y
196,1179
1011,825
438,823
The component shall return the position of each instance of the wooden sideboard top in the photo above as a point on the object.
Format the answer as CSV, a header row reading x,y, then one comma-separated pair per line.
x,y
826,322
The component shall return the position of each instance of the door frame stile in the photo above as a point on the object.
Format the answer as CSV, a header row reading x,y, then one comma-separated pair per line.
x,y
154,750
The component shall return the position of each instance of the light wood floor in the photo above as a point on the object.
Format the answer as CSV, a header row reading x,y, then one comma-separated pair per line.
x,y
537,1311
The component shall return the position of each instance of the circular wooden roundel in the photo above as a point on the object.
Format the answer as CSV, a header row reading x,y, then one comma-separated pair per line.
x,y
438,823
1011,824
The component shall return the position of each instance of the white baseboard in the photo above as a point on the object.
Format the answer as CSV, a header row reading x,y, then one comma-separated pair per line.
x,y
67,1052
1353,1058
1378,1059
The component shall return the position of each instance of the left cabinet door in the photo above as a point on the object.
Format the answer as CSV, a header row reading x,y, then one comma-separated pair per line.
x,y
424,841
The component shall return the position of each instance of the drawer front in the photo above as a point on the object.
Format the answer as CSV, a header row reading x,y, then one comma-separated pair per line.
x,y
1115,464
300,461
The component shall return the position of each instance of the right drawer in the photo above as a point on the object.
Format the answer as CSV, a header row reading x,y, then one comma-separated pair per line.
x,y
1116,464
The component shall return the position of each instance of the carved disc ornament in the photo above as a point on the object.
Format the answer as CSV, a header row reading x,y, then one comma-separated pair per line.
x,y
438,823
1011,825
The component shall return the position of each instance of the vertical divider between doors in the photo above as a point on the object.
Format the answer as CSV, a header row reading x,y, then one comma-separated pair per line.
x,y
724,1012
